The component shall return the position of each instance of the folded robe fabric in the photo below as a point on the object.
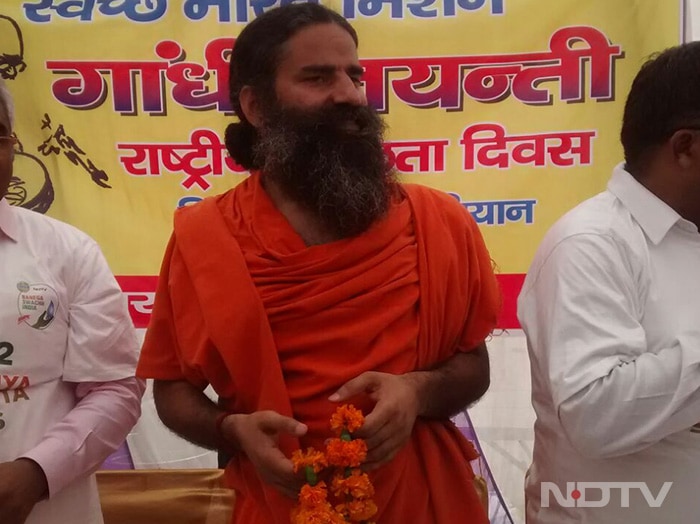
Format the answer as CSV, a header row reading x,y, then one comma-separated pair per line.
x,y
245,306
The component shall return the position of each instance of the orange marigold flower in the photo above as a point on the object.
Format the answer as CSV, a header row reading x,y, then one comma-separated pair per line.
x,y
312,458
357,510
357,485
347,417
350,485
313,496
346,454
323,514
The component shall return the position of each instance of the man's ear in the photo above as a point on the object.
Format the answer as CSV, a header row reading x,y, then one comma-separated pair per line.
x,y
250,105
684,147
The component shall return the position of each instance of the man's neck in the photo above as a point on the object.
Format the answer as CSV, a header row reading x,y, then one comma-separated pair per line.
x,y
306,225
670,188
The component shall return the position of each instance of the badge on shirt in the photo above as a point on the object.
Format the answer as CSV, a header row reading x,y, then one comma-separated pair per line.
x,y
37,305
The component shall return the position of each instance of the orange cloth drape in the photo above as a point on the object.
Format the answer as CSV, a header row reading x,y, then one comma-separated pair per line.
x,y
244,305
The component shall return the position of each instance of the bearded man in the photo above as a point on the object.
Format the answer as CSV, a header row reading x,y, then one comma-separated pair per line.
x,y
321,279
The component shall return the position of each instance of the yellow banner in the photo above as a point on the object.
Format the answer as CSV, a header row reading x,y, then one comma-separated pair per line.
x,y
512,106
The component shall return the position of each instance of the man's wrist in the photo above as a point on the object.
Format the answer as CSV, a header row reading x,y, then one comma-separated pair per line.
x,y
32,478
419,382
219,422
226,431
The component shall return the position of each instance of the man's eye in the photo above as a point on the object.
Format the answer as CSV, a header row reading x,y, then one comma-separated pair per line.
x,y
316,79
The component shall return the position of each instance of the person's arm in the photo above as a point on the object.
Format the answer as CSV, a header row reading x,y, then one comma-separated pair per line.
x,y
100,361
453,385
400,399
187,411
74,447
612,394
22,485
78,444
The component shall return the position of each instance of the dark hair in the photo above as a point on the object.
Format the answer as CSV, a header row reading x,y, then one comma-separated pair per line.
x,y
6,104
254,60
665,97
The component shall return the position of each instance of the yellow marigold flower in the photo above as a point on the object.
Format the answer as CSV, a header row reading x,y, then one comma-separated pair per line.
x,y
312,458
346,454
357,485
347,417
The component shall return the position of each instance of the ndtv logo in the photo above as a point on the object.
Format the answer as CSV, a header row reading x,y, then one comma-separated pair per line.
x,y
600,494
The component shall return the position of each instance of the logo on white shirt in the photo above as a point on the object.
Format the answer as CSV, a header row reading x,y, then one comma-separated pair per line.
x,y
37,304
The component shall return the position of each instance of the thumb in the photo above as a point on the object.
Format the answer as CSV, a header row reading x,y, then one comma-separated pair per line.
x,y
280,424
360,384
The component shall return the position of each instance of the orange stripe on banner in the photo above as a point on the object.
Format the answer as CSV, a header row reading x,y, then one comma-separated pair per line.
x,y
140,291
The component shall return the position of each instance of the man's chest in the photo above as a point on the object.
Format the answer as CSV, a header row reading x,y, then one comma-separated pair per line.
x,y
33,319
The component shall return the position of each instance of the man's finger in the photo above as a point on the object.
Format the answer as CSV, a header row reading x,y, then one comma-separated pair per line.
x,y
280,473
375,439
283,484
277,463
384,453
286,490
371,466
375,420
275,423
360,384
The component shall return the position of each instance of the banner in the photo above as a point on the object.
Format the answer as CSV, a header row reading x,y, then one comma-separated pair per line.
x,y
513,107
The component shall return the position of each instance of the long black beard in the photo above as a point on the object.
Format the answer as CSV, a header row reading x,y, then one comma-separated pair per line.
x,y
331,161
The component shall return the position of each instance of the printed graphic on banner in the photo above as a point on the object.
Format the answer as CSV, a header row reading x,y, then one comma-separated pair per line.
x,y
12,51
518,125
243,11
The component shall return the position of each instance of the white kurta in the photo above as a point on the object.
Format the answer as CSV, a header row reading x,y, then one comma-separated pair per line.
x,y
62,321
611,310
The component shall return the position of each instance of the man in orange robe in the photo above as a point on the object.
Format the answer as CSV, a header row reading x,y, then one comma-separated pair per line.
x,y
318,280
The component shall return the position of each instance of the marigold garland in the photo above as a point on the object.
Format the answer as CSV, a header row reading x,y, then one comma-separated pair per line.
x,y
346,453
357,510
351,489
313,496
357,485
348,418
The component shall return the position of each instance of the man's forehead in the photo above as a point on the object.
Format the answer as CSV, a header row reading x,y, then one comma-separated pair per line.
x,y
320,45
319,68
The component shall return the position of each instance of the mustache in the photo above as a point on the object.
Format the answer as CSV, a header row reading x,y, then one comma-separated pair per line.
x,y
336,120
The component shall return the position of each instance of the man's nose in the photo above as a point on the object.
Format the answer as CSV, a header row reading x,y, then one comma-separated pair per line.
x,y
346,91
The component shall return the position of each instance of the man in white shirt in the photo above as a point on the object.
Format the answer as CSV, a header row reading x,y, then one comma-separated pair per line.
x,y
68,351
611,310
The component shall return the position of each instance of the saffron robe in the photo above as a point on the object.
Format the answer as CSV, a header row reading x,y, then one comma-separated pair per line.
x,y
244,305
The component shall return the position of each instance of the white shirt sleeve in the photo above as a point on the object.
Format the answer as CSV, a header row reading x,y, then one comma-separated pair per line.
x,y
84,438
102,343
582,313
101,356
